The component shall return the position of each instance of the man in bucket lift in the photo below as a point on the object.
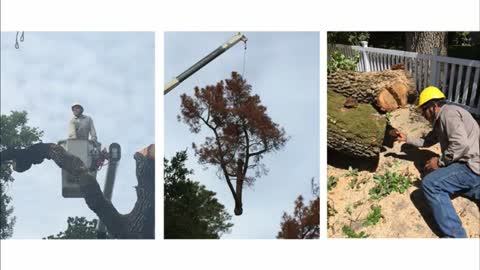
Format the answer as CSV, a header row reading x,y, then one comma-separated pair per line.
x,y
81,125
457,171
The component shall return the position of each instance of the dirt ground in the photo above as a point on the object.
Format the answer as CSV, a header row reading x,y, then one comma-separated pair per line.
x,y
402,215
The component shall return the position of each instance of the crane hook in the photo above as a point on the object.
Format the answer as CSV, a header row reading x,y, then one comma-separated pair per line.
x,y
22,38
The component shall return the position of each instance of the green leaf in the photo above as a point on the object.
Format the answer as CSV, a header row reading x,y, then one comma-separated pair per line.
x,y
14,133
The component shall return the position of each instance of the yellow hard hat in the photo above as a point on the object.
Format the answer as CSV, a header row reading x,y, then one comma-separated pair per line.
x,y
428,94
77,104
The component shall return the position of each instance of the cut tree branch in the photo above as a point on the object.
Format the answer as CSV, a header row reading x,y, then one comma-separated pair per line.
x,y
139,223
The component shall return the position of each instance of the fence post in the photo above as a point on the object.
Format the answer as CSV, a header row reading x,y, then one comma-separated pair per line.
x,y
434,67
366,62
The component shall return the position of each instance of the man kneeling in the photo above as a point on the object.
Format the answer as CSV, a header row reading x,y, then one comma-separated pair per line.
x,y
457,171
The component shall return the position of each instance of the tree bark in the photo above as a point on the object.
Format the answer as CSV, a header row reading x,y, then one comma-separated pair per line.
x,y
387,90
238,188
425,42
357,132
139,223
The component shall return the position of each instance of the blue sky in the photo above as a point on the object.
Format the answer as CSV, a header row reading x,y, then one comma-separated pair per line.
x,y
112,74
283,69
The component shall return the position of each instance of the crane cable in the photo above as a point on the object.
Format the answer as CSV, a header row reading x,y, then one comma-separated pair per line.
x,y
22,38
244,58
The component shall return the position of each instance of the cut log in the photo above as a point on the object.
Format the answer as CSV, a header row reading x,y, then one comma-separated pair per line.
x,y
138,224
386,101
400,92
356,132
366,86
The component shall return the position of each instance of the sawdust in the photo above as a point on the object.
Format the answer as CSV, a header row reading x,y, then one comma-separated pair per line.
x,y
403,215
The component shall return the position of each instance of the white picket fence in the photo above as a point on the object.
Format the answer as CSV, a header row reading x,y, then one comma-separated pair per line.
x,y
459,79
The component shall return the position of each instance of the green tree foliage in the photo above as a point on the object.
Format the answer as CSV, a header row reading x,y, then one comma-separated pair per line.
x,y
191,211
78,228
460,38
339,61
387,40
464,45
14,133
347,38
460,44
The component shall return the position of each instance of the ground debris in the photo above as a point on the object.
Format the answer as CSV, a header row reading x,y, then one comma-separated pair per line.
x,y
403,215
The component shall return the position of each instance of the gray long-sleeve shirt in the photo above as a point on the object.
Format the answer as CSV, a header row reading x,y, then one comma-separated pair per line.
x,y
458,134
80,127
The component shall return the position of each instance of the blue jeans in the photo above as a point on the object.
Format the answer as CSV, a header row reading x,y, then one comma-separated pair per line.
x,y
457,178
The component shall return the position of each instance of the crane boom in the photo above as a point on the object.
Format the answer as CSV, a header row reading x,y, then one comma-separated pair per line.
x,y
204,61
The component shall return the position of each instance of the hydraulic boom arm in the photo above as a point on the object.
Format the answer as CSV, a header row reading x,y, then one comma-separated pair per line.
x,y
207,59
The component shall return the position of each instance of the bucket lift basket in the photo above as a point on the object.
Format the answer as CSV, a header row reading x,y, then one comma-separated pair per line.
x,y
88,151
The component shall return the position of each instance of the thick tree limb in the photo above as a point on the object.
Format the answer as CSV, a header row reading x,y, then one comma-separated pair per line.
x,y
355,132
139,223
387,89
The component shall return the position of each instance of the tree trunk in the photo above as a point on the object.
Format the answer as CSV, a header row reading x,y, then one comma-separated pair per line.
x,y
425,42
387,90
139,223
238,188
357,132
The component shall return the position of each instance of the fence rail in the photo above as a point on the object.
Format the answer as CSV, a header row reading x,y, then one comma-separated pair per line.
x,y
459,79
